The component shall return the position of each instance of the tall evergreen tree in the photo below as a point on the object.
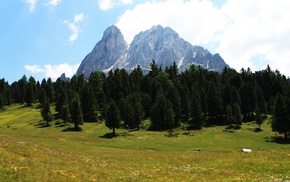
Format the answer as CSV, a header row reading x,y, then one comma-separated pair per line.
x,y
237,114
65,112
97,81
162,114
132,111
76,112
89,104
174,97
196,115
113,117
214,103
280,122
50,90
229,114
261,104
46,112
258,117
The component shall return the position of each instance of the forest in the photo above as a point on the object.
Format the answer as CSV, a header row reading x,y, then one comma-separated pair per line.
x,y
195,98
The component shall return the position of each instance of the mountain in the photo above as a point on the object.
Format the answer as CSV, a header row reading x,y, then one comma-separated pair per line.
x,y
110,49
161,44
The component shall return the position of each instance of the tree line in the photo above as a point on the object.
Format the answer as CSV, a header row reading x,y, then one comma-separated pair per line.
x,y
194,98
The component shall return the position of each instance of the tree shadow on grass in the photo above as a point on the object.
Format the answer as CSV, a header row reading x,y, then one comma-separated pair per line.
x,y
72,129
278,140
109,135
42,125
257,130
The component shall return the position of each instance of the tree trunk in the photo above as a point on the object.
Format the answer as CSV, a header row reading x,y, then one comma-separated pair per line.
x,y
285,135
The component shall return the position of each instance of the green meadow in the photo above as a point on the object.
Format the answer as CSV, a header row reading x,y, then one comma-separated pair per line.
x,y
30,151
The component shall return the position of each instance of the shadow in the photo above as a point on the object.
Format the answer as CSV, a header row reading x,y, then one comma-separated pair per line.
x,y
278,140
60,125
109,135
257,130
72,129
25,106
42,125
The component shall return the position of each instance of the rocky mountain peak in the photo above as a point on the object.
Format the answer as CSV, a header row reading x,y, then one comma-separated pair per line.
x,y
161,44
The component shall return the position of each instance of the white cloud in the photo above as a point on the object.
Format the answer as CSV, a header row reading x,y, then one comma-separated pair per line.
x,y
53,71
196,21
54,2
74,26
31,4
246,33
257,29
109,4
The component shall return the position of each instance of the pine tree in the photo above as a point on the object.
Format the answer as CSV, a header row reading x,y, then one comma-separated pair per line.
x,y
76,112
113,117
174,97
280,122
196,114
65,113
229,114
237,114
46,112
258,117
162,114
89,104
1,102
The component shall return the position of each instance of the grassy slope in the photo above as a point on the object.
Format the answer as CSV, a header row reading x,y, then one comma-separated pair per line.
x,y
30,152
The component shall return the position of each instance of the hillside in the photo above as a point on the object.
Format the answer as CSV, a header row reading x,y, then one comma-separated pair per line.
x,y
31,152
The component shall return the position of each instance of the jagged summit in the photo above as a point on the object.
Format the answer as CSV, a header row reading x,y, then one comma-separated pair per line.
x,y
110,49
161,44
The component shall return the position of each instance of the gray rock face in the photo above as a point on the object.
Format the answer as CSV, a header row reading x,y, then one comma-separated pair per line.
x,y
108,51
161,44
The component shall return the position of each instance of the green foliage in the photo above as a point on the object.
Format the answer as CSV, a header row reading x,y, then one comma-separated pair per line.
x,y
213,94
113,118
76,112
89,104
46,112
132,112
237,114
258,117
162,113
281,115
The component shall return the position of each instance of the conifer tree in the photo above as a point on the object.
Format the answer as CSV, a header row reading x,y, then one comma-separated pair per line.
x,y
65,112
89,104
76,112
229,114
280,122
174,97
258,117
46,112
196,114
162,114
237,114
113,117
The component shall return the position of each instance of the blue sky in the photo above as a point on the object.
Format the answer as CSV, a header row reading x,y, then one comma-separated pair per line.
x,y
44,38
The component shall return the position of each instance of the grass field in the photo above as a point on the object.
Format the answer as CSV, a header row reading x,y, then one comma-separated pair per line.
x,y
31,152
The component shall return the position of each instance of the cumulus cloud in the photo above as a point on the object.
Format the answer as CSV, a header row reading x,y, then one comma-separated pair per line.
x,y
196,21
53,71
53,2
109,4
245,33
31,4
257,34
74,26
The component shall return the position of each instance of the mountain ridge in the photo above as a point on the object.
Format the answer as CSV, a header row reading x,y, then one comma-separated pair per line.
x,y
161,44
